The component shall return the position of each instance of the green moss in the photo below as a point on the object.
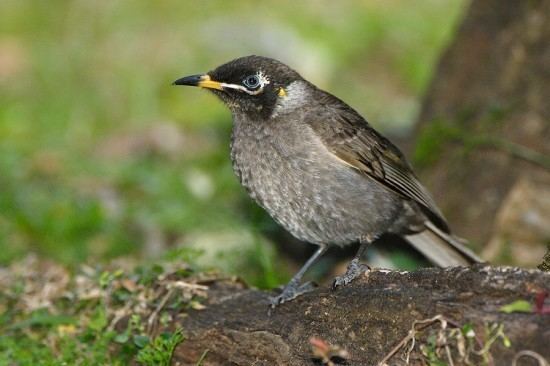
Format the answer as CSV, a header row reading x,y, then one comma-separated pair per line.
x,y
433,138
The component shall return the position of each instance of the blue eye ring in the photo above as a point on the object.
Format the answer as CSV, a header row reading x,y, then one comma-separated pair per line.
x,y
251,81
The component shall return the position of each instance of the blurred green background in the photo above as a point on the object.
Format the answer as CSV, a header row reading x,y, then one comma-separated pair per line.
x,y
100,157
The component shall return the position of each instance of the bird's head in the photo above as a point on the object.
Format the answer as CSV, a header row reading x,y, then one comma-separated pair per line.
x,y
251,85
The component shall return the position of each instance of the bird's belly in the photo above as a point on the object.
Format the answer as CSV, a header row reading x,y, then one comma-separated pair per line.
x,y
313,195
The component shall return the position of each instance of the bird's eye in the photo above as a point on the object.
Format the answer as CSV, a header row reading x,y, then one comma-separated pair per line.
x,y
251,82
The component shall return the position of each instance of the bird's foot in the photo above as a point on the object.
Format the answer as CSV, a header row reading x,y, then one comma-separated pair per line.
x,y
355,269
290,292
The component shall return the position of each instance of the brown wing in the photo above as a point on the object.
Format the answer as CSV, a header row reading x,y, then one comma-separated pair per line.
x,y
349,137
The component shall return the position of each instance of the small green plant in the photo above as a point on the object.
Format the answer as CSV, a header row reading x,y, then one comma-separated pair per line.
x,y
159,351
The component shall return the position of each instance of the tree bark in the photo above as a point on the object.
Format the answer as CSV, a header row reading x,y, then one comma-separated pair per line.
x,y
369,318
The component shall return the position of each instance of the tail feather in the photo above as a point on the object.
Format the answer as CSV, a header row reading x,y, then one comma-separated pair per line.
x,y
442,249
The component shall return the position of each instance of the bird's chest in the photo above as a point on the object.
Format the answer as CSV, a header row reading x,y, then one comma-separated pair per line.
x,y
280,166
273,162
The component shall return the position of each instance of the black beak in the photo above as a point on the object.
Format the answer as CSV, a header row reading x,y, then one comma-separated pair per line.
x,y
202,80
192,80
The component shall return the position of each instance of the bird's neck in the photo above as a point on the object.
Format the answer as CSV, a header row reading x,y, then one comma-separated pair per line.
x,y
297,95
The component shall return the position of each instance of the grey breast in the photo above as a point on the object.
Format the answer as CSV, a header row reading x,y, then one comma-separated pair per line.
x,y
289,172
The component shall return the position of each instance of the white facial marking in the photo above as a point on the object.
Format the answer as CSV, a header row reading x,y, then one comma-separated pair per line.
x,y
264,80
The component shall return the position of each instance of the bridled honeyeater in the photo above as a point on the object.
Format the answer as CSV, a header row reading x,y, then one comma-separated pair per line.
x,y
321,171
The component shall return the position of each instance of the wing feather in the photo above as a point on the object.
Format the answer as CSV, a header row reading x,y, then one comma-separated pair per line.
x,y
350,138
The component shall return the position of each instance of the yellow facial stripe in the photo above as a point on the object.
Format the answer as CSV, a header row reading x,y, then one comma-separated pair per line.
x,y
282,92
206,82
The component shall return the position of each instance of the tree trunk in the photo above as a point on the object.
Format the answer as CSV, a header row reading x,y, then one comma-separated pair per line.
x,y
484,130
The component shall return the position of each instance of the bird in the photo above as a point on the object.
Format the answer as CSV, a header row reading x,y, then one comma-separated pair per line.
x,y
322,171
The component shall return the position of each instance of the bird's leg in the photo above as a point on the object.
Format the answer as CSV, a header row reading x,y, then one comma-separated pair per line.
x,y
355,268
295,288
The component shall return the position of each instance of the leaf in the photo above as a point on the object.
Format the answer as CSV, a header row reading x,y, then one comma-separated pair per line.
x,y
196,305
121,338
468,330
506,341
518,306
141,340
98,321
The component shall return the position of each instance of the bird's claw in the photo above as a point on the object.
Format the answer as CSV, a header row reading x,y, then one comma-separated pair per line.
x,y
355,269
291,291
